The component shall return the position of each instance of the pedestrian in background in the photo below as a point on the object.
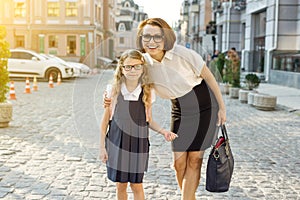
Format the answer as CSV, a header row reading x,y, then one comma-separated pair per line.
x,y
125,147
180,74
215,55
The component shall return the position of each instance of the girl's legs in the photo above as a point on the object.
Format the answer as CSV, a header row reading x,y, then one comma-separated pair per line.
x,y
188,171
138,191
122,191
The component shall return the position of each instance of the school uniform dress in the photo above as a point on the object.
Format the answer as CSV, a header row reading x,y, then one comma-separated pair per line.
x,y
194,107
127,140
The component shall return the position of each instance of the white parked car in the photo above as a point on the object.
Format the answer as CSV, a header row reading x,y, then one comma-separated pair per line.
x,y
76,71
79,69
27,63
84,69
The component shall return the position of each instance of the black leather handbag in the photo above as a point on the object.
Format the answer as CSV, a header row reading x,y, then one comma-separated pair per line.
x,y
220,165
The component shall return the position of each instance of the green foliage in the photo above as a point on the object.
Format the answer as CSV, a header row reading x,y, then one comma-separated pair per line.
x,y
220,61
4,55
227,72
252,81
232,70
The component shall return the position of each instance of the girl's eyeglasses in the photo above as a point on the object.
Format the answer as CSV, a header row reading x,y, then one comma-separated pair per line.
x,y
148,37
129,67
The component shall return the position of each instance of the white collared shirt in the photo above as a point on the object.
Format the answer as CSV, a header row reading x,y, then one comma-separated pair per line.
x,y
131,96
177,73
134,95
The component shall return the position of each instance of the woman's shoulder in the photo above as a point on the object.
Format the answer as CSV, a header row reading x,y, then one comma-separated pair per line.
x,y
182,50
187,54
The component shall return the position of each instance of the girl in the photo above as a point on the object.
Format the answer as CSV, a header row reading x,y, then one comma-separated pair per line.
x,y
125,148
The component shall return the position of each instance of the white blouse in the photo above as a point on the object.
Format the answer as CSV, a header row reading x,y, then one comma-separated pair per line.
x,y
177,73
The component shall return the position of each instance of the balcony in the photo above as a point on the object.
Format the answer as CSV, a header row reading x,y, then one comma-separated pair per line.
x,y
195,8
217,6
240,5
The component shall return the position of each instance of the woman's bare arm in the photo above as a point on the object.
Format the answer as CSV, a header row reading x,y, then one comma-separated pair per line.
x,y
213,85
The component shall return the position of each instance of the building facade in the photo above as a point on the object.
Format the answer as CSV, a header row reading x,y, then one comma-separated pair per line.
x,y
195,16
265,33
71,29
271,31
105,30
128,17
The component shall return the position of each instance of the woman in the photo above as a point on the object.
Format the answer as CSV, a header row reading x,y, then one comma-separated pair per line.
x,y
181,75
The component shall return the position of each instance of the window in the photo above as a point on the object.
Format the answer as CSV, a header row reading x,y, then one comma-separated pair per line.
x,y
127,4
53,9
121,27
21,55
71,44
260,24
220,37
71,9
286,62
259,41
20,41
53,41
121,41
98,13
20,9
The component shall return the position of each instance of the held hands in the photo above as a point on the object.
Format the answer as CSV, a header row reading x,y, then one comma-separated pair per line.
x,y
103,155
169,136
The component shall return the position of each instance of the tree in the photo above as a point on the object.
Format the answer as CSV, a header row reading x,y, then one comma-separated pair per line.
x,y
4,55
232,69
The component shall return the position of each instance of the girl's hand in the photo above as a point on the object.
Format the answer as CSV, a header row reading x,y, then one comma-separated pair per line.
x,y
106,100
169,136
103,155
221,117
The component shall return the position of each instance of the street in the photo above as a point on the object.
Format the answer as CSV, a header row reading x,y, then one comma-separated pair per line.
x,y
50,149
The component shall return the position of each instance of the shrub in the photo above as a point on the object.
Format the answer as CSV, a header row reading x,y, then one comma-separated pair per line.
x,y
252,81
4,55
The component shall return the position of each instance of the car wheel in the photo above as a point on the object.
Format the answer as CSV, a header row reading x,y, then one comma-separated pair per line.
x,y
55,72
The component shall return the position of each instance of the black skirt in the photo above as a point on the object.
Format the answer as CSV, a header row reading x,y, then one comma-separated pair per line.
x,y
127,142
194,119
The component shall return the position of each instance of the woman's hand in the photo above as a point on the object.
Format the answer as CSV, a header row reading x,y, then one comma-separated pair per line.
x,y
221,117
103,155
106,100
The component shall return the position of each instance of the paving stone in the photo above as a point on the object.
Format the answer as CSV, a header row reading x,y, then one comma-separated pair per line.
x,y
53,152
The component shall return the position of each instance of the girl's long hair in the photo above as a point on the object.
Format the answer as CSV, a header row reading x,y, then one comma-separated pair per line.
x,y
144,80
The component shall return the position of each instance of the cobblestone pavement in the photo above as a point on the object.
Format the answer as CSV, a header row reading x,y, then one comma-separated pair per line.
x,y
49,151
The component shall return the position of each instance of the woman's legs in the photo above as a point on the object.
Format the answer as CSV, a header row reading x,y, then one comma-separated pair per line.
x,y
180,161
122,191
188,171
138,191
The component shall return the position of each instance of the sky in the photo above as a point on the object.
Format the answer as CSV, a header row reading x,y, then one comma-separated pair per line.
x,y
168,10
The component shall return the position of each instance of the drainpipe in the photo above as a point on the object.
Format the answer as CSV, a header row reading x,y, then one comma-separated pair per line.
x,y
274,42
228,23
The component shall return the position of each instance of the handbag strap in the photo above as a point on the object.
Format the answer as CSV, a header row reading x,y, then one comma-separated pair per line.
x,y
224,131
